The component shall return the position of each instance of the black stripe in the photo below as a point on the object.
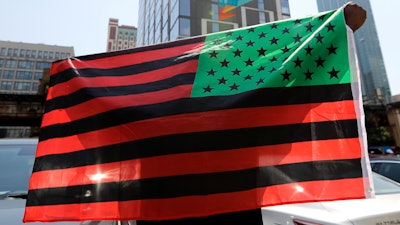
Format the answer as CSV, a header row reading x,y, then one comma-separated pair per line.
x,y
201,142
198,184
255,98
86,94
70,73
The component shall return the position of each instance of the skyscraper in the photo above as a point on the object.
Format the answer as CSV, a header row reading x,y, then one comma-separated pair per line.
x,y
120,37
374,82
168,20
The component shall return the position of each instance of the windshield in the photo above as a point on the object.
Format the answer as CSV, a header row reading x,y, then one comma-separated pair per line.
x,y
384,185
16,162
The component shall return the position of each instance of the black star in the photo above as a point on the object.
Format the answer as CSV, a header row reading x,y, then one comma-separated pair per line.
x,y
213,54
274,41
224,63
207,89
217,41
319,38
222,81
273,59
308,74
273,69
261,68
211,72
320,62
286,30
248,77
309,27
333,73
308,49
249,62
286,75
236,72
227,45
285,49
332,50
262,35
237,52
261,51
330,27
297,38
321,17
239,38
260,81
297,21
251,29
234,86
274,26
250,43
298,62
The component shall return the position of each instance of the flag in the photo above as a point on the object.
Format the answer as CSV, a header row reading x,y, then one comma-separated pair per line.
x,y
228,122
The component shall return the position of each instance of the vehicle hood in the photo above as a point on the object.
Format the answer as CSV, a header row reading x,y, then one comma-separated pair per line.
x,y
383,209
12,212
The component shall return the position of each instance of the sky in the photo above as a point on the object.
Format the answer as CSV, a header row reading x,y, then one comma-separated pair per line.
x,y
83,24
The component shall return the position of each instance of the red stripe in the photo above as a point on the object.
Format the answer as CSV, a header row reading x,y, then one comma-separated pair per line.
x,y
205,121
198,163
195,206
98,105
78,82
108,62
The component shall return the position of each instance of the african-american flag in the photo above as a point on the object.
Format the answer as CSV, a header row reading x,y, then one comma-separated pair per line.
x,y
227,122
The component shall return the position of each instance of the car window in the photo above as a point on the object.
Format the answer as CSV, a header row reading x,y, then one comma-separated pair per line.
x,y
391,170
16,163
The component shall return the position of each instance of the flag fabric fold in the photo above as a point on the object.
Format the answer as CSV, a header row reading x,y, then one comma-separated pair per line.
x,y
232,121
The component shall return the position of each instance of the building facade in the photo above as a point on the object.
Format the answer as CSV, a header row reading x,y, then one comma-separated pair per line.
x,y
22,64
22,91
169,20
120,37
374,81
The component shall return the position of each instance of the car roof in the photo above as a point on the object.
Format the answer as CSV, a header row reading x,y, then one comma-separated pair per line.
x,y
19,141
386,159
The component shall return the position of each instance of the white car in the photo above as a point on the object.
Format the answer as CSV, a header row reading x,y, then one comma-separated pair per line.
x,y
17,158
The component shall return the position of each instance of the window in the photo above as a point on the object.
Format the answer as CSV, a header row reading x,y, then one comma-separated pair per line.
x,y
9,52
8,74
40,54
28,53
26,64
184,27
3,51
35,86
184,8
42,65
57,55
1,63
51,55
38,75
15,52
11,63
24,75
46,54
22,86
33,54
22,53
62,55
6,85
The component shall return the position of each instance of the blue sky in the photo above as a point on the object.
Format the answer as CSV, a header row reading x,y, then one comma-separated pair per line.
x,y
83,24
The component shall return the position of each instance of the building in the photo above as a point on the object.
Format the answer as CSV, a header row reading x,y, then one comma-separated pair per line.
x,y
168,20
120,37
22,69
22,64
374,81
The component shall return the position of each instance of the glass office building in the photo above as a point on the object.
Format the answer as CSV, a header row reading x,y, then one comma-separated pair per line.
x,y
168,20
374,82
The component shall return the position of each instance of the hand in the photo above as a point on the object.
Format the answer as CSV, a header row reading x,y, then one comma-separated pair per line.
x,y
354,15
